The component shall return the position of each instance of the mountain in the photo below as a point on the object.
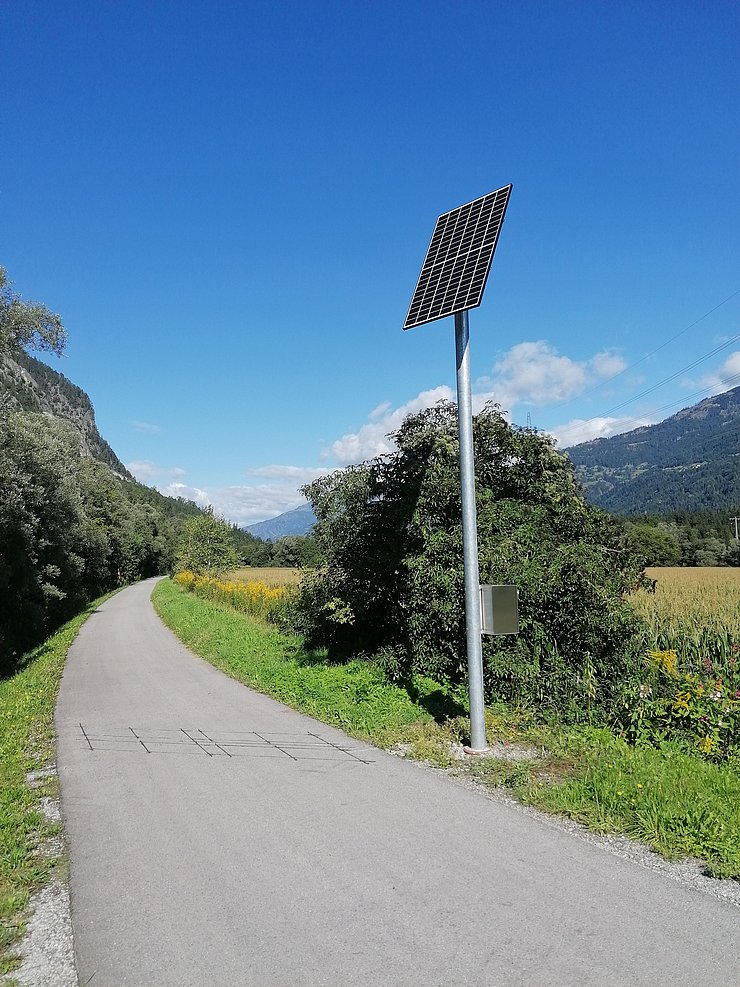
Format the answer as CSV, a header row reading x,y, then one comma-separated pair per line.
x,y
296,522
689,462
27,384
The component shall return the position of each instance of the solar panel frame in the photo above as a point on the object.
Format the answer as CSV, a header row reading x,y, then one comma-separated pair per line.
x,y
456,267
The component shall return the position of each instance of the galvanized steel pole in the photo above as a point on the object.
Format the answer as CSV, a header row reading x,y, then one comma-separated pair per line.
x,y
470,537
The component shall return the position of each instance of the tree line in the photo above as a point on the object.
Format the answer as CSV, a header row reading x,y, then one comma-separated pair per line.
x,y
686,538
72,527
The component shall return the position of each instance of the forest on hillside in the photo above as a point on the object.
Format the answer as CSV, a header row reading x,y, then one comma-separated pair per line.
x,y
74,524
687,463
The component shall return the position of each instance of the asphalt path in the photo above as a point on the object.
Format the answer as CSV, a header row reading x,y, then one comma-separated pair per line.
x,y
220,839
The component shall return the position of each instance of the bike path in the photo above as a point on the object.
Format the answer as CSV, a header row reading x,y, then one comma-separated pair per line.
x,y
220,839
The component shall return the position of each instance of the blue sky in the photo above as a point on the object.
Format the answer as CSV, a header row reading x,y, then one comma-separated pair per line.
x,y
229,204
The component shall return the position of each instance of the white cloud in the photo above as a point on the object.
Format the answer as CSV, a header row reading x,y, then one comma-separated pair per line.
x,y
248,503
371,440
240,505
201,497
146,427
583,430
607,364
150,473
720,380
377,413
535,373
296,474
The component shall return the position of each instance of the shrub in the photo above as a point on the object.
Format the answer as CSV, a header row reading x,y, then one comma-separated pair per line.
x,y
669,703
392,575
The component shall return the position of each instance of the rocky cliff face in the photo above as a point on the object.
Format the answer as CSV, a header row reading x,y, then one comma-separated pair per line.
x,y
26,384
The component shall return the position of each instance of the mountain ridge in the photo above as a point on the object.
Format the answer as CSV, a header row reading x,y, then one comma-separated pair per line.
x,y
689,461
299,521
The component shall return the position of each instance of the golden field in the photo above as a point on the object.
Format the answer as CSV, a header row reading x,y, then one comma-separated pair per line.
x,y
267,576
695,611
250,596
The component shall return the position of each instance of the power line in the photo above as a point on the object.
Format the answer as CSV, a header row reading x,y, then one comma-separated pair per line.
x,y
662,346
655,411
667,380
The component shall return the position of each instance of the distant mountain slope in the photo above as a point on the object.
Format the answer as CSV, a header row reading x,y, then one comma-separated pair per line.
x,y
296,522
27,384
690,461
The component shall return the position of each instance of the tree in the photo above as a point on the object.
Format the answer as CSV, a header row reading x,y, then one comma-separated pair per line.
x,y
253,551
52,555
654,544
207,545
27,324
392,577
296,552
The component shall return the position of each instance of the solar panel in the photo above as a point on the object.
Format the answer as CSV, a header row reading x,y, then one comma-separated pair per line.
x,y
458,260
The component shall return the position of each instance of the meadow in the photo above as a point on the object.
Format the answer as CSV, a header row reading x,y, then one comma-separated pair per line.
x,y
245,590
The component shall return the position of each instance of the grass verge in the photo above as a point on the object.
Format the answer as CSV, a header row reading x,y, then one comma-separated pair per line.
x,y
355,696
665,797
27,701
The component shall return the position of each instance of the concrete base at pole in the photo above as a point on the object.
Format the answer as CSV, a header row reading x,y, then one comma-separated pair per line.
x,y
476,751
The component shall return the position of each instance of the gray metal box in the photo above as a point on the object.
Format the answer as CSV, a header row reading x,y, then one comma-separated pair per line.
x,y
499,609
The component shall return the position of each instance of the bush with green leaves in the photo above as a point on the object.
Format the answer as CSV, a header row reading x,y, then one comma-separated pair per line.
x,y
701,708
391,582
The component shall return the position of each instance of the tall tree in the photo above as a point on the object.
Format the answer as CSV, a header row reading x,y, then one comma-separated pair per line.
x,y
207,545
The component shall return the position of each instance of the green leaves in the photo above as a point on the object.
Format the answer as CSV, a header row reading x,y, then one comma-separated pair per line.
x,y
28,324
207,545
68,532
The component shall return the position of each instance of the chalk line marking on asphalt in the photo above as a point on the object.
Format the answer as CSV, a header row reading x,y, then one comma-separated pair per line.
x,y
218,743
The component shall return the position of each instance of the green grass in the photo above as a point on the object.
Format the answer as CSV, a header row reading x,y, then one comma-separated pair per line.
x,y
27,701
667,798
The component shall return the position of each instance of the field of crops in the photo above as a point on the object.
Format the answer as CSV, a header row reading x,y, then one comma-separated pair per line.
x,y
695,612
254,596
267,576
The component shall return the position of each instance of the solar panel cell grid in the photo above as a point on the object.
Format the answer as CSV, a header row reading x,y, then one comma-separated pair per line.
x,y
455,269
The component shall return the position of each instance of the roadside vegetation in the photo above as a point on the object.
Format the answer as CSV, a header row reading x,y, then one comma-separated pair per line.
x,y
27,700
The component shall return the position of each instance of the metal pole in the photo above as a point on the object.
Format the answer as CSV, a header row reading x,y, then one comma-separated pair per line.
x,y
470,538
